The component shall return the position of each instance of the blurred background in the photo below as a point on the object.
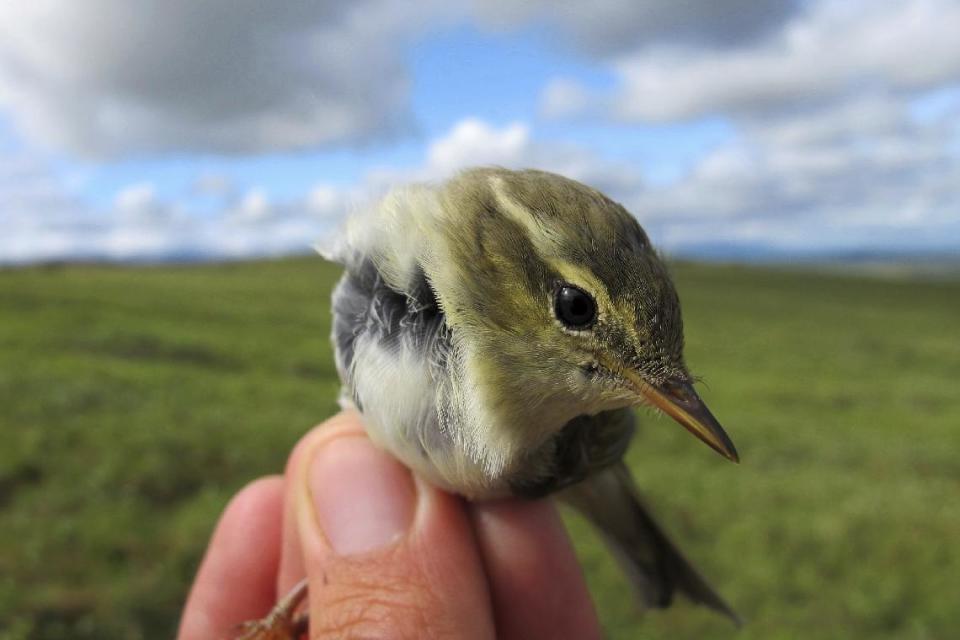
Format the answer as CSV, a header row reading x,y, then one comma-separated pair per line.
x,y
166,166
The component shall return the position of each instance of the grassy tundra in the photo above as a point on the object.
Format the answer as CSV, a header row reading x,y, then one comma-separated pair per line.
x,y
135,401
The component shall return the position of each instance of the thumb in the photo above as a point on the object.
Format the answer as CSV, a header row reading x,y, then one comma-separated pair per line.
x,y
386,555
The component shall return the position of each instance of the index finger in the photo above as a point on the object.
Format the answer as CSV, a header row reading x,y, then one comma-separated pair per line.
x,y
236,581
536,582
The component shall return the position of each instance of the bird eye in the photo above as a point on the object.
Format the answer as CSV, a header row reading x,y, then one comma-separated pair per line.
x,y
574,307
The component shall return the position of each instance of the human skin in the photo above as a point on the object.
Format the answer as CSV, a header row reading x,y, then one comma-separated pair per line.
x,y
386,554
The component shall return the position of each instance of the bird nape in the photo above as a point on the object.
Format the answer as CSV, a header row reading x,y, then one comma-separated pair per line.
x,y
497,331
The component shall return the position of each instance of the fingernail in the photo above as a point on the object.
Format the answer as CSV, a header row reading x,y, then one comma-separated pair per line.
x,y
364,499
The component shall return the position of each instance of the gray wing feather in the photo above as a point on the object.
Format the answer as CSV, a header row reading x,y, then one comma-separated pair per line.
x,y
363,303
657,569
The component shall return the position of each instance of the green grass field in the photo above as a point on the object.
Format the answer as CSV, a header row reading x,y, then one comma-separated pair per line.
x,y
135,401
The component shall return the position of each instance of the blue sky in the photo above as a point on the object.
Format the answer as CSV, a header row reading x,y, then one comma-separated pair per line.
x,y
230,128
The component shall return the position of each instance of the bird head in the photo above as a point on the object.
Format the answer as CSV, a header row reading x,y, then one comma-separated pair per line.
x,y
561,304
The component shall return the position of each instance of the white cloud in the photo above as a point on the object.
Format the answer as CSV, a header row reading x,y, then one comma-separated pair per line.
x,y
859,174
215,185
474,142
108,77
43,221
835,49
604,27
137,199
327,201
564,98
254,205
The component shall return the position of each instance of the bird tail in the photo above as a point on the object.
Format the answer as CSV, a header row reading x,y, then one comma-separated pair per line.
x,y
656,568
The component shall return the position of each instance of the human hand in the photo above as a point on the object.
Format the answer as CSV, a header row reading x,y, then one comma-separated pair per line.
x,y
386,554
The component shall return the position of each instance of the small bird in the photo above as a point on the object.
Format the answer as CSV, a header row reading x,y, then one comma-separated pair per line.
x,y
497,331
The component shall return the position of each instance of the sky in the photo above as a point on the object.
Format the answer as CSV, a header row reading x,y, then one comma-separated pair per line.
x,y
213,129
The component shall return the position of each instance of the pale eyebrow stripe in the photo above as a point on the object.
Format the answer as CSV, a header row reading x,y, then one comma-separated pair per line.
x,y
514,210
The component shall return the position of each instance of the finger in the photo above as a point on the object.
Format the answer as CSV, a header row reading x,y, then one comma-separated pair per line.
x,y
291,561
386,555
236,580
536,582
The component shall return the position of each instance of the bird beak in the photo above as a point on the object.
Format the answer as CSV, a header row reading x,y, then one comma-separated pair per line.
x,y
679,401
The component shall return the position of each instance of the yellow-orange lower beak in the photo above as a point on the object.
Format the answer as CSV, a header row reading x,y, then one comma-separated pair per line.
x,y
679,401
